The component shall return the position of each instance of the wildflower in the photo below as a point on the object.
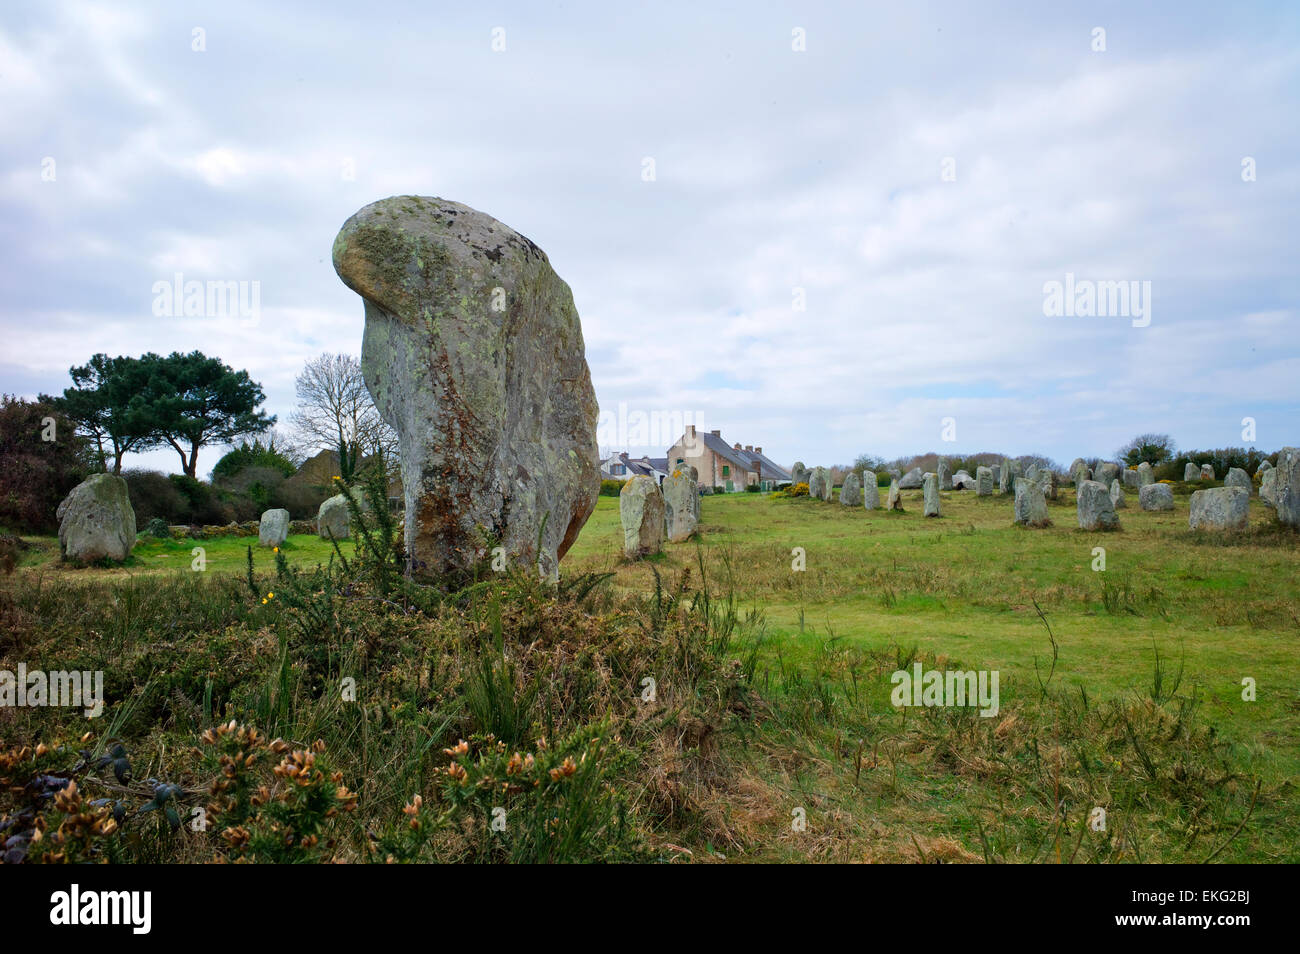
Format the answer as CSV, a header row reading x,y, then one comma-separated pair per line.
x,y
457,771
460,748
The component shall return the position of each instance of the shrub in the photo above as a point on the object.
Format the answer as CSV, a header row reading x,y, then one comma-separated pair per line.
x,y
158,528
611,488
255,485
300,497
1221,460
254,454
36,474
155,497
752,488
793,490
204,506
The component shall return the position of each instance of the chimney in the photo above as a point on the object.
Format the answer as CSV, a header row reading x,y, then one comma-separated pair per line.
x,y
749,448
735,447
690,432
758,450
717,433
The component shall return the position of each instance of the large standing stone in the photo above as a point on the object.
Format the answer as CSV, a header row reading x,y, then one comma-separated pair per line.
x,y
851,490
333,519
945,475
963,481
1117,499
1207,472
1145,474
1107,473
1191,472
1155,497
1030,505
1131,477
1079,472
799,473
1047,480
1238,478
1006,480
870,490
96,521
895,499
930,494
273,528
984,481
1286,486
1096,509
1267,485
997,476
912,479
641,511
1031,472
473,353
1219,508
1263,466
681,505
819,483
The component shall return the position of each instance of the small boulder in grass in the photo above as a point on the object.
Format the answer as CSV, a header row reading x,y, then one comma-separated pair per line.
x,y
273,528
870,490
1117,499
1219,508
895,499
851,490
819,483
1030,505
930,494
641,512
1155,497
1095,508
1237,477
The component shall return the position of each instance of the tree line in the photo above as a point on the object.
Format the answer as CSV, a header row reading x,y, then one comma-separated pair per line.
x,y
188,401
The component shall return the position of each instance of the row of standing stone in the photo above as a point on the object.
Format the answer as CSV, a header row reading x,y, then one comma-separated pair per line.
x,y
1097,495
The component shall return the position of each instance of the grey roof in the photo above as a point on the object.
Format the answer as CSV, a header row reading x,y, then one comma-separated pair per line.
x,y
634,467
746,460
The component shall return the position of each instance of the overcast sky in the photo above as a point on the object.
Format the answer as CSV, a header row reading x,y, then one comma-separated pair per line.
x,y
913,176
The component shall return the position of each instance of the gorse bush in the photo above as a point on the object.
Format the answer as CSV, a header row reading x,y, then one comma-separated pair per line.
x,y
792,490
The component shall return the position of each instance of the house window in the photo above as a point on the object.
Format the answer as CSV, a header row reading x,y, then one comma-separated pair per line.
x,y
726,471
681,460
618,469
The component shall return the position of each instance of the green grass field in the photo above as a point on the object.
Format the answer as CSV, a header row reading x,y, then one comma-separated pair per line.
x,y
1120,688
964,585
